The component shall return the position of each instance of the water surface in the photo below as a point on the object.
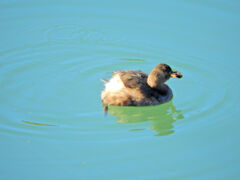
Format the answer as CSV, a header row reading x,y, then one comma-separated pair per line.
x,y
52,55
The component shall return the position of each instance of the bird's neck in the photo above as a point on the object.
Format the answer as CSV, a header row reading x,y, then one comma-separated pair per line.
x,y
162,89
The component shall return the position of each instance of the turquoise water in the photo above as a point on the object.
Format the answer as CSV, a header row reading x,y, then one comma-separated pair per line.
x,y
52,55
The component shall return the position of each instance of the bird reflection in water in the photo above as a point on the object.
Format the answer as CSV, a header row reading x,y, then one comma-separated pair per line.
x,y
162,116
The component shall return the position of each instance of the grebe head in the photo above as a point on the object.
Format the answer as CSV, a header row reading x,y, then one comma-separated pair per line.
x,y
160,74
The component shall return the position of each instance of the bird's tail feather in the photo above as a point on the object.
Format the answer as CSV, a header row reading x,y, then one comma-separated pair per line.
x,y
104,80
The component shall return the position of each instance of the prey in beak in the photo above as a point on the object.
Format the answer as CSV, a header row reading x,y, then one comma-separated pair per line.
x,y
176,74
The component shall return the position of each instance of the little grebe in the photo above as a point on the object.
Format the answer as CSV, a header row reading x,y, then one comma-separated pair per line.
x,y
135,88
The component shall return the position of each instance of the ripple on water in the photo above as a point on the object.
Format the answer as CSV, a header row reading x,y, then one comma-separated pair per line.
x,y
44,85
72,33
203,96
206,97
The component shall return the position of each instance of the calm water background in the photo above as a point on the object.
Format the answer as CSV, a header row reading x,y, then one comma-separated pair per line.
x,y
52,55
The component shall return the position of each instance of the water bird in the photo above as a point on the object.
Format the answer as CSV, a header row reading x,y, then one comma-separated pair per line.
x,y
136,88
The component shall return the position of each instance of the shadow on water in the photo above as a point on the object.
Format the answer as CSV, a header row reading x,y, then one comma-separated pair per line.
x,y
162,116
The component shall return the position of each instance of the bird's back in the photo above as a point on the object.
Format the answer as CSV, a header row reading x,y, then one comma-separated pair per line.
x,y
128,88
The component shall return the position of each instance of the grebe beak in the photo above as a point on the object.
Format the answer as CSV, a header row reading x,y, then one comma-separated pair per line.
x,y
176,74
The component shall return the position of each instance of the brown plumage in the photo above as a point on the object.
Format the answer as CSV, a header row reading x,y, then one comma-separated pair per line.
x,y
135,88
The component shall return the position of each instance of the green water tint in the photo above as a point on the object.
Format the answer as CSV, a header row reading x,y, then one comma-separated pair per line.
x,y
37,124
162,117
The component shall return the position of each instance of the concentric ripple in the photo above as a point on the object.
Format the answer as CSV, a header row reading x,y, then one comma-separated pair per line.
x,y
72,33
52,55
42,79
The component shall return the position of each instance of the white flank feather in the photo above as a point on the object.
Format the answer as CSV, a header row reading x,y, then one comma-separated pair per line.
x,y
114,84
